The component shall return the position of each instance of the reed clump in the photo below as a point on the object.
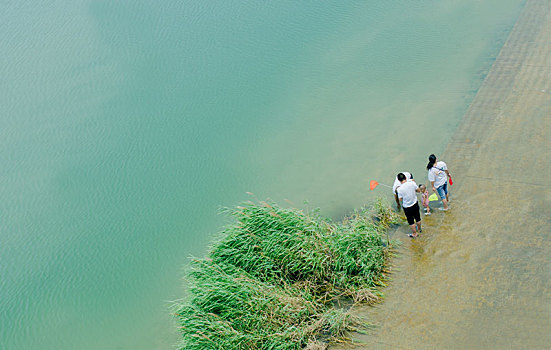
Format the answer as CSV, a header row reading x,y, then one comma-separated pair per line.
x,y
272,279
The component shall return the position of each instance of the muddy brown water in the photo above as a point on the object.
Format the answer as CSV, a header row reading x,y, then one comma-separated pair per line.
x,y
479,277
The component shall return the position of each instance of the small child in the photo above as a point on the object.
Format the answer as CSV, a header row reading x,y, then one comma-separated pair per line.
x,y
425,198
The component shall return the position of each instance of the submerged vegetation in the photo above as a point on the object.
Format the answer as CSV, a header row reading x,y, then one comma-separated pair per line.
x,y
272,281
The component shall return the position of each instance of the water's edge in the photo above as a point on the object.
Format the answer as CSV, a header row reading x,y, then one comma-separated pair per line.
x,y
478,278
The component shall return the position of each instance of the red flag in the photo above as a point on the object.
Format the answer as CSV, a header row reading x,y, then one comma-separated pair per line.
x,y
373,184
451,182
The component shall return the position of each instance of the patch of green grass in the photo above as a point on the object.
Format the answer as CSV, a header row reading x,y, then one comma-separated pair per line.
x,y
270,281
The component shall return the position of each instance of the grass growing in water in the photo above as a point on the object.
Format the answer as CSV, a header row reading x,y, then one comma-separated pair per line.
x,y
269,283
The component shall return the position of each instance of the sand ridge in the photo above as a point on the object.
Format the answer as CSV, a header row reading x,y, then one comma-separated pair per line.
x,y
480,275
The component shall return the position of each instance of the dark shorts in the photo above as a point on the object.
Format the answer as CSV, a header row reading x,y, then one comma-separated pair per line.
x,y
413,214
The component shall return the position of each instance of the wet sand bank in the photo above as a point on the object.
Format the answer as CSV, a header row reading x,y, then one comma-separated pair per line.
x,y
480,275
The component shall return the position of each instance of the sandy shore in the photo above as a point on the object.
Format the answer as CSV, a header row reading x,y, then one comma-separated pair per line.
x,y
480,275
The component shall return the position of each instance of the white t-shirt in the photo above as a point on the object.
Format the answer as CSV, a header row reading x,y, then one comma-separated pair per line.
x,y
438,175
407,192
397,183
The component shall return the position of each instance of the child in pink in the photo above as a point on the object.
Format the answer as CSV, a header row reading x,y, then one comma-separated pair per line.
x,y
425,198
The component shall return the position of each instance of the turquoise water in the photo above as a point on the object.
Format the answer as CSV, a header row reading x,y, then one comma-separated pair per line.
x,y
125,126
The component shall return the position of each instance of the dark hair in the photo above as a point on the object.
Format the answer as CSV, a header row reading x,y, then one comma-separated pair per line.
x,y
432,159
401,177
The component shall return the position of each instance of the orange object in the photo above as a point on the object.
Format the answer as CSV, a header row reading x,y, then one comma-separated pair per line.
x,y
373,184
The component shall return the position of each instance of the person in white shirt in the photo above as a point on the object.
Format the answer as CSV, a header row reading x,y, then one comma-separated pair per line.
x,y
409,177
408,198
438,177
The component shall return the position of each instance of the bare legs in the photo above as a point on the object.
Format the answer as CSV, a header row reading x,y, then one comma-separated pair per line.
x,y
415,228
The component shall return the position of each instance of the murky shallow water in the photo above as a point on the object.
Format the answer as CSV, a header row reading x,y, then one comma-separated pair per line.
x,y
480,275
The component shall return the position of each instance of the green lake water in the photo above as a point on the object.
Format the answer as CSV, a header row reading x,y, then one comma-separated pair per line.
x,y
125,126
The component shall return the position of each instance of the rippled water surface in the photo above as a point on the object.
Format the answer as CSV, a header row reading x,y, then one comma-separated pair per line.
x,y
125,125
